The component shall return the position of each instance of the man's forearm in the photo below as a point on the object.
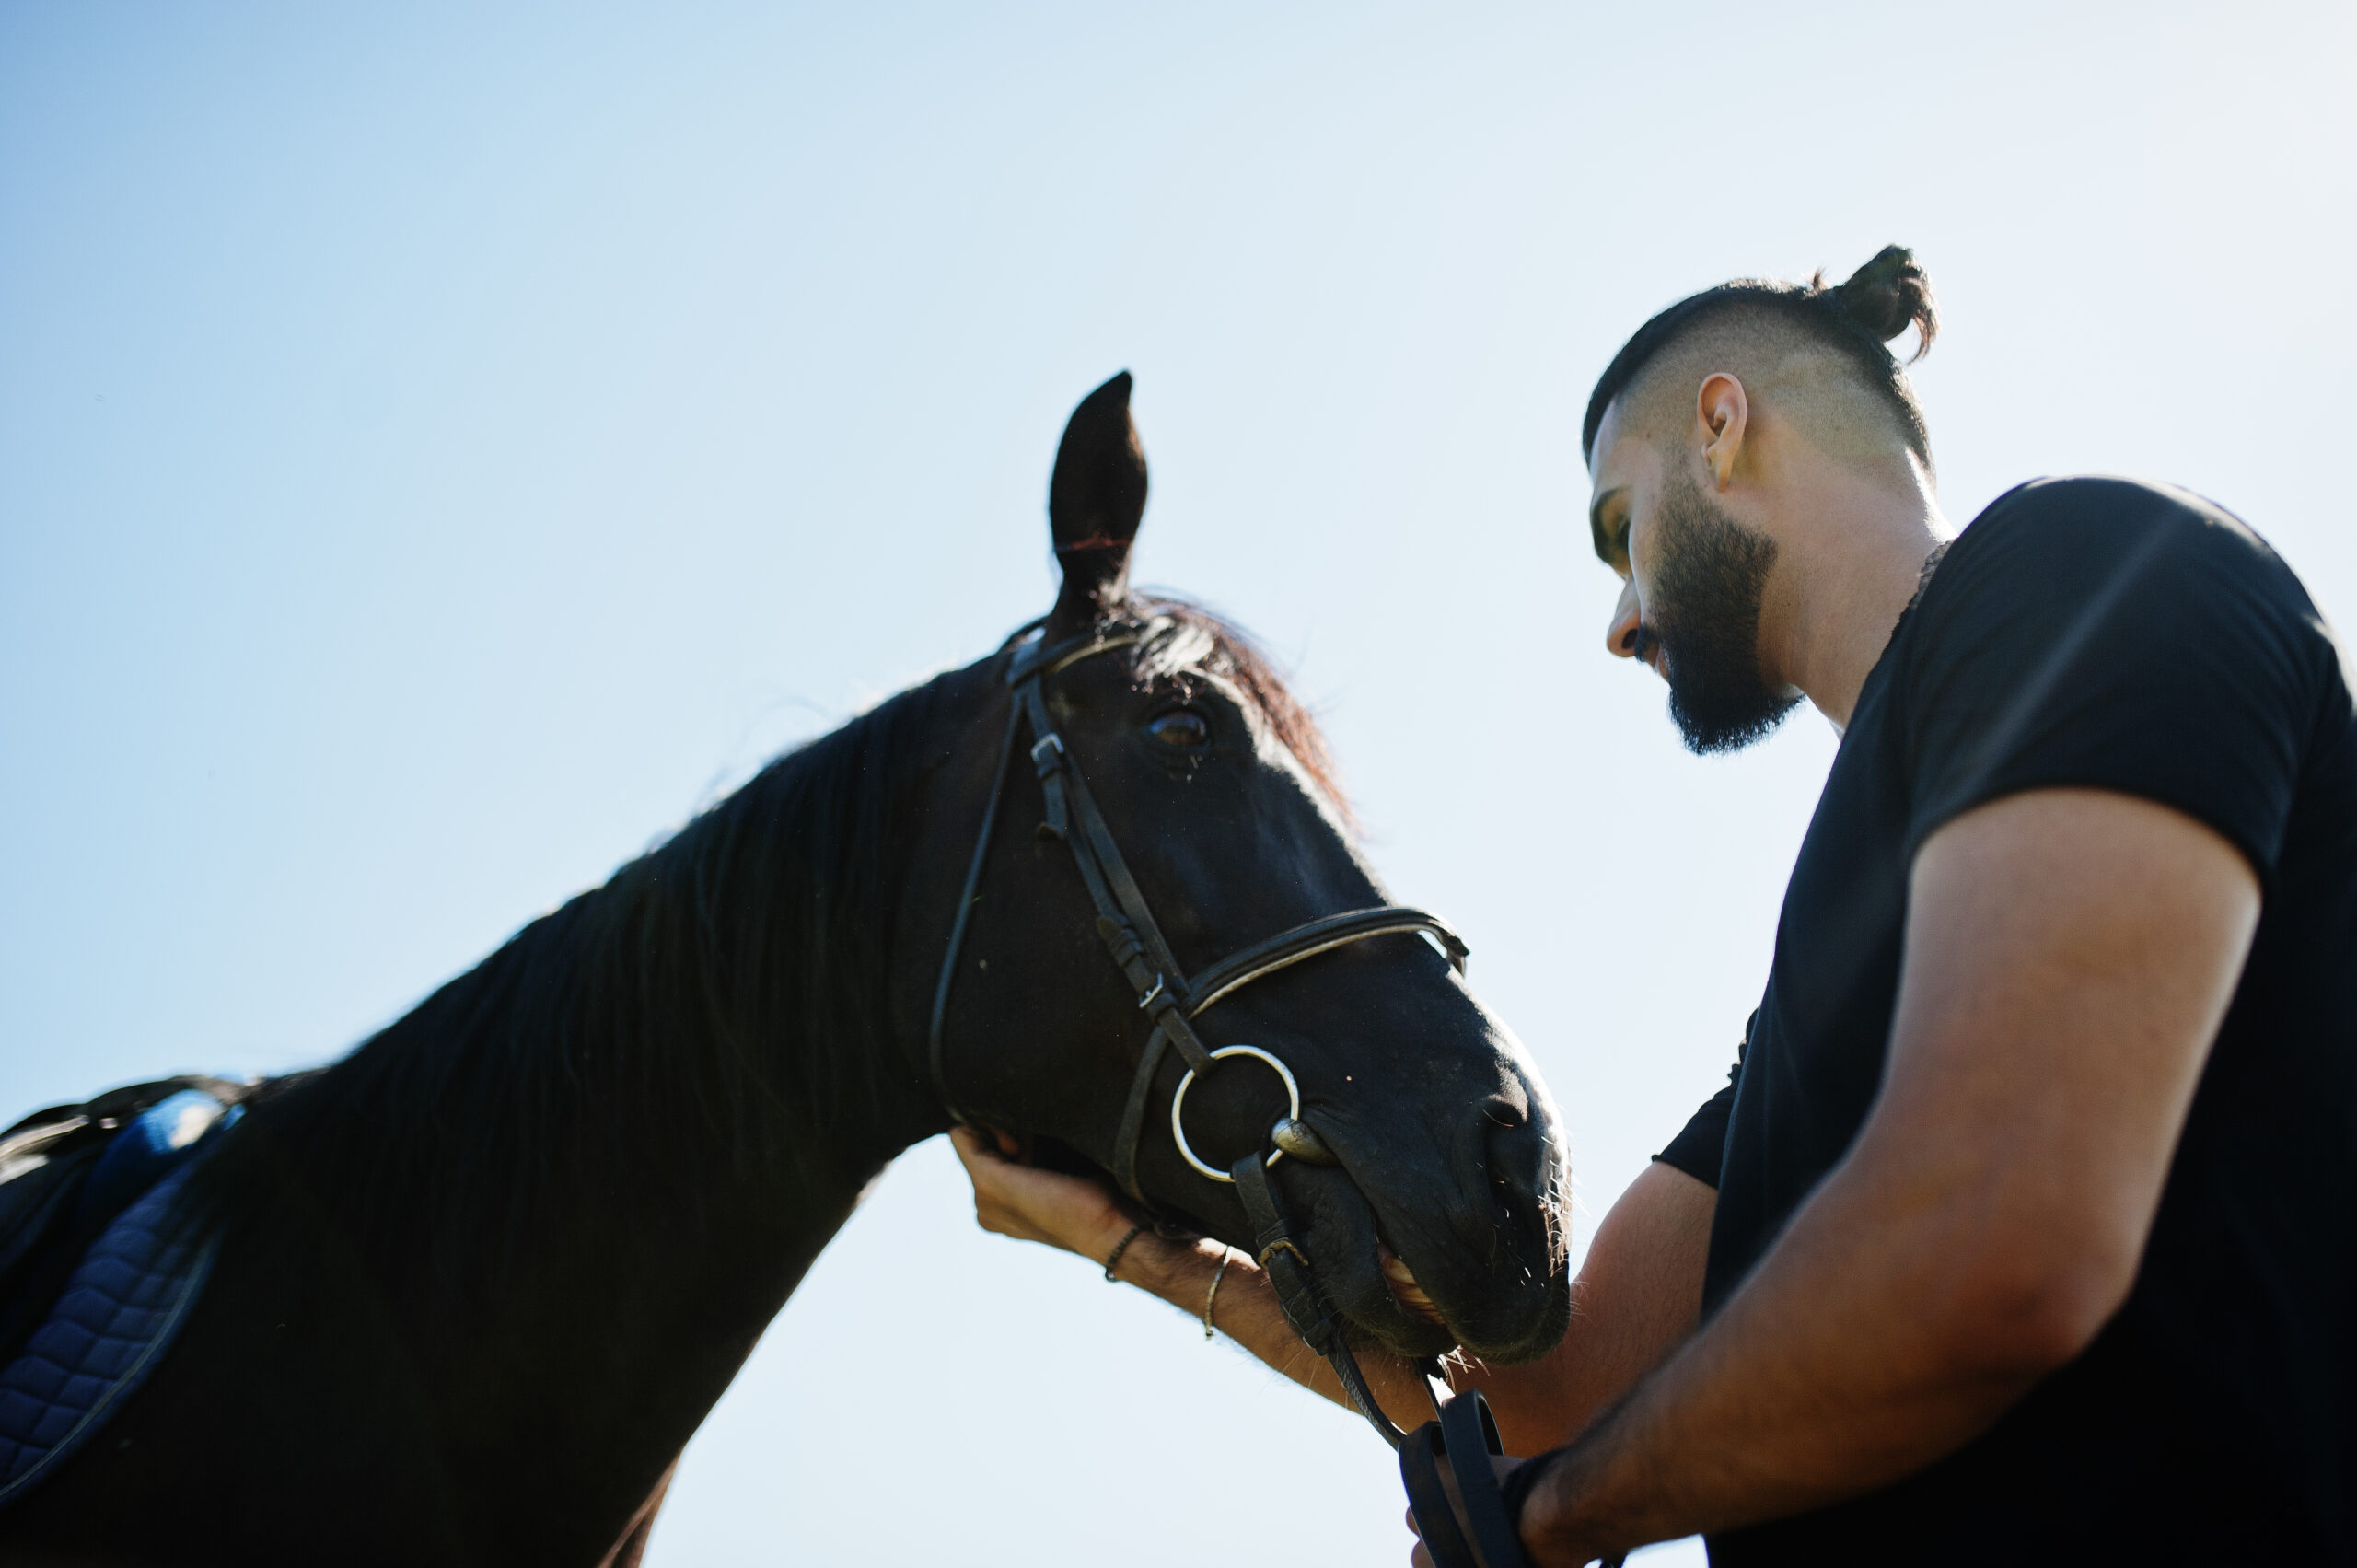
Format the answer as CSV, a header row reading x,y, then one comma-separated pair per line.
x,y
1637,1295
1831,1372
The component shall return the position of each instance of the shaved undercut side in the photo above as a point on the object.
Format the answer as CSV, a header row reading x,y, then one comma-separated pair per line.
x,y
1815,354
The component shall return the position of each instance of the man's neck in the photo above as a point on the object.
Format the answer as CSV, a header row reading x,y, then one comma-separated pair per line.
x,y
1847,567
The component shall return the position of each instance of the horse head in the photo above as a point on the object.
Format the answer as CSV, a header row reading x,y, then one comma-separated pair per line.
x,y
525,1235
1427,1181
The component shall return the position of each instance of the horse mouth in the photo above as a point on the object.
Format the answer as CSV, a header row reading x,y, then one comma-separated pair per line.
x,y
1405,1290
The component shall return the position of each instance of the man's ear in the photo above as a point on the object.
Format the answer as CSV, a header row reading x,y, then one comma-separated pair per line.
x,y
1723,414
1095,500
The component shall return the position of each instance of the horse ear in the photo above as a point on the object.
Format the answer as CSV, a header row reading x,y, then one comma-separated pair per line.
x,y
1095,500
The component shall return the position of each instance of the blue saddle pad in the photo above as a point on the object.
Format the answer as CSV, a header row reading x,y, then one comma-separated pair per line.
x,y
120,1310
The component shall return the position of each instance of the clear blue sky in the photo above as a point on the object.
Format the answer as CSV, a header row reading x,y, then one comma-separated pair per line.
x,y
442,446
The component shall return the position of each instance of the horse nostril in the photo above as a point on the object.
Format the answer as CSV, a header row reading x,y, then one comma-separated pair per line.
x,y
1515,1154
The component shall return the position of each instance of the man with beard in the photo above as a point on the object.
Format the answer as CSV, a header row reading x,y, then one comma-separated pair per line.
x,y
2021,1231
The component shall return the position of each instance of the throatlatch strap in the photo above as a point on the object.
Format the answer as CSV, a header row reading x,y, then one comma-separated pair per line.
x,y
966,898
1132,1127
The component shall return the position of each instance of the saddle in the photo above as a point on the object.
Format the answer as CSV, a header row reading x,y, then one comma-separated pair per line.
x,y
95,1273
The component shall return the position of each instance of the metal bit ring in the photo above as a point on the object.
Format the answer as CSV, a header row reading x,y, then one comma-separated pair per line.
x,y
1178,1106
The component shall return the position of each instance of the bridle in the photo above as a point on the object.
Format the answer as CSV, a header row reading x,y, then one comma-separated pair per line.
x,y
1171,1001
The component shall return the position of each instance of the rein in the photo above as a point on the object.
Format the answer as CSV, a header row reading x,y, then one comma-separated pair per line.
x,y
1171,1001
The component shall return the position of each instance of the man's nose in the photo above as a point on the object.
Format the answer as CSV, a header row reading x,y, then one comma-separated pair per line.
x,y
1628,619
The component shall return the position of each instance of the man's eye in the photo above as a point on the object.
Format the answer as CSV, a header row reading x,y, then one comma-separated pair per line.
x,y
1180,727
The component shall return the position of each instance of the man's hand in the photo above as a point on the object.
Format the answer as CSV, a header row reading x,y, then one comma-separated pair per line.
x,y
1501,1466
1083,1216
1071,1212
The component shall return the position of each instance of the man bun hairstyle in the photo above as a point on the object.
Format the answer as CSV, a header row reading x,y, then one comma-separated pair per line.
x,y
1887,295
1855,318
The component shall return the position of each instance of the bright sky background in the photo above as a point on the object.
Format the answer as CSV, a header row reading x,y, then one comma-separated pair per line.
x,y
442,446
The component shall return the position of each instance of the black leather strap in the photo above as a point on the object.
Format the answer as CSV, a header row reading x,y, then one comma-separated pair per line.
x,y
1307,941
1132,1124
1146,962
1045,658
1287,1267
1480,1531
1230,975
1275,1251
965,909
1470,1434
1444,1538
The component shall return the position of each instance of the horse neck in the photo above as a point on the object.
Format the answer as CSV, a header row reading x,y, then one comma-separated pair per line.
x,y
738,983
703,1051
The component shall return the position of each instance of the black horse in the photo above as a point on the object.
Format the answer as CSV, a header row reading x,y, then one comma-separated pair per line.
x,y
480,1280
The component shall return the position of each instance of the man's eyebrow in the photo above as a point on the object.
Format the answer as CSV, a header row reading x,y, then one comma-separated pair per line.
x,y
1607,549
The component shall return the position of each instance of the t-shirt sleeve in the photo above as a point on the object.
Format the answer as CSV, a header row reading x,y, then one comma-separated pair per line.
x,y
1699,1148
2102,635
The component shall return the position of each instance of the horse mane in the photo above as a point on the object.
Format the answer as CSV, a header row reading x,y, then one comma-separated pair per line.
x,y
719,1010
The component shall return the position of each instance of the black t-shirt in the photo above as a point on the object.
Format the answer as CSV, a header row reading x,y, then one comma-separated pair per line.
x,y
2100,633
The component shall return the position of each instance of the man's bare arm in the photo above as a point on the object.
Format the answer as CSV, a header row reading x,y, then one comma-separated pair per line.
x,y
1083,1216
2069,955
1636,1297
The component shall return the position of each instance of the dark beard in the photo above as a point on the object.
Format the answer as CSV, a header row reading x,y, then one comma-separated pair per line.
x,y
1705,620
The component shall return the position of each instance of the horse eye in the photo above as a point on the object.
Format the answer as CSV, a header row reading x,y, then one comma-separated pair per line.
x,y
1179,728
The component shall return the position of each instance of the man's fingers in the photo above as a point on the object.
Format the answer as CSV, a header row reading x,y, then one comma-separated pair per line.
x,y
1031,1205
1418,1557
985,1168
1501,1465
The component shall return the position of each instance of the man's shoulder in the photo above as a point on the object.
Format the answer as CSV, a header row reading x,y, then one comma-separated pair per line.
x,y
2051,546
2074,524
